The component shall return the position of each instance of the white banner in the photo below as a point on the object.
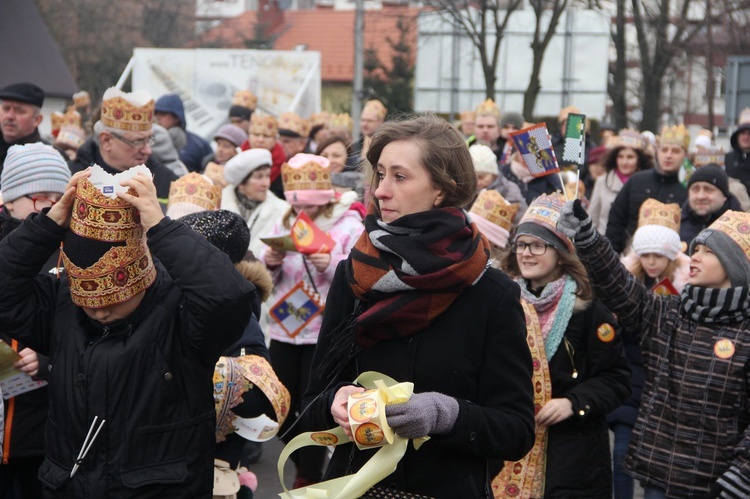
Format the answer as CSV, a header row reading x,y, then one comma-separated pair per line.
x,y
206,79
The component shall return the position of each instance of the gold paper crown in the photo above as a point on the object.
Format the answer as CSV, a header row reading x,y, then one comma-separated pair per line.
x,y
263,125
195,189
493,207
545,211
123,271
293,123
245,98
714,155
120,114
321,118
627,138
488,108
81,99
735,224
706,133
70,117
468,116
341,122
310,176
676,135
653,212
71,135
376,107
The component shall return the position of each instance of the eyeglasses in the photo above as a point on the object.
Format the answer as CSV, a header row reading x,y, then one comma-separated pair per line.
x,y
536,249
135,144
41,202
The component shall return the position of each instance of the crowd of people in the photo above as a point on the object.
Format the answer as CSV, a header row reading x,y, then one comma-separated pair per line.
x,y
167,319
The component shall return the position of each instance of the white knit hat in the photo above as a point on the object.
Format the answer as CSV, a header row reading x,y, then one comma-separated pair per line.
x,y
243,164
32,168
484,159
656,239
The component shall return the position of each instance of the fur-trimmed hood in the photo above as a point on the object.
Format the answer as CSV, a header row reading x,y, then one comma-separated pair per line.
x,y
681,274
256,273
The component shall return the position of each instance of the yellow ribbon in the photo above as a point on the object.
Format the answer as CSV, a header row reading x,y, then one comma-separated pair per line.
x,y
384,390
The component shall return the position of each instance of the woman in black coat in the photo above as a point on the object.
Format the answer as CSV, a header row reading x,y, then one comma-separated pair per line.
x,y
418,303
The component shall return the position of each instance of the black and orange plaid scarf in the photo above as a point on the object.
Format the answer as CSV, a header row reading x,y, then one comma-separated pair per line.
x,y
409,271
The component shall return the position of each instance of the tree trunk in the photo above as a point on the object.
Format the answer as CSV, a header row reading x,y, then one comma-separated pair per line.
x,y
619,74
652,90
529,97
489,79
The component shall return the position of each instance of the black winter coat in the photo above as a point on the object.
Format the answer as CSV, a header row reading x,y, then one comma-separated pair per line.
x,y
623,217
691,224
737,165
475,351
88,154
578,455
536,187
149,376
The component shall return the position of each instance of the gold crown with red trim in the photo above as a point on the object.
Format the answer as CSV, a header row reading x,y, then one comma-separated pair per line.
x,y
627,137
341,122
492,206
120,113
81,99
245,98
375,107
676,135
736,225
487,108
70,117
122,271
263,125
295,124
321,118
653,212
309,176
196,189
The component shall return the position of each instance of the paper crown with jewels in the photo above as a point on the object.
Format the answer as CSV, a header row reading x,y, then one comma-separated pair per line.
x,y
192,193
545,211
676,135
307,180
494,216
713,155
341,122
291,123
81,99
653,212
487,108
376,107
72,136
736,225
59,120
245,98
132,111
263,125
319,119
627,137
125,268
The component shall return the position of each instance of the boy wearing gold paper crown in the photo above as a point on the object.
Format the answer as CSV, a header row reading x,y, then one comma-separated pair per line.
x,y
123,138
133,334
691,436
661,183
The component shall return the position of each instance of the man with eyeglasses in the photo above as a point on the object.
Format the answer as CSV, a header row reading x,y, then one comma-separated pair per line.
x,y
123,138
20,115
34,177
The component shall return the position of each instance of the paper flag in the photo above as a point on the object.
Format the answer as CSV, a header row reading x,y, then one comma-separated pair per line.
x,y
280,243
535,147
575,136
308,238
296,309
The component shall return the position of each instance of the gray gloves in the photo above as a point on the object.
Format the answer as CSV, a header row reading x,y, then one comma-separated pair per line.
x,y
428,413
576,223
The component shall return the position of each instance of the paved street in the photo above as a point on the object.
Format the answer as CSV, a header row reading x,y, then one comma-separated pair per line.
x,y
265,470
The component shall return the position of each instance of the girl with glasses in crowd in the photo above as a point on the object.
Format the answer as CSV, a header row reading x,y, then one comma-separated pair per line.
x,y
582,374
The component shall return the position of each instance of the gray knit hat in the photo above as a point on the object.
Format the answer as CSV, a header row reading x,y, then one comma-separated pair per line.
x,y
32,168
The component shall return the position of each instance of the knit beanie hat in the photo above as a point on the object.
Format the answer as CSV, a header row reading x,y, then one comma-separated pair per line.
x,y
713,175
224,229
484,159
232,133
729,238
540,221
32,168
243,164
658,229
515,119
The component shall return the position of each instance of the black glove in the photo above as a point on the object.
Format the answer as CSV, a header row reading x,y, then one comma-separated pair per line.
x,y
576,223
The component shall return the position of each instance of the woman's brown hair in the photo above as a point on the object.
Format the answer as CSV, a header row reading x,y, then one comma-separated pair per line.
x,y
444,155
645,161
